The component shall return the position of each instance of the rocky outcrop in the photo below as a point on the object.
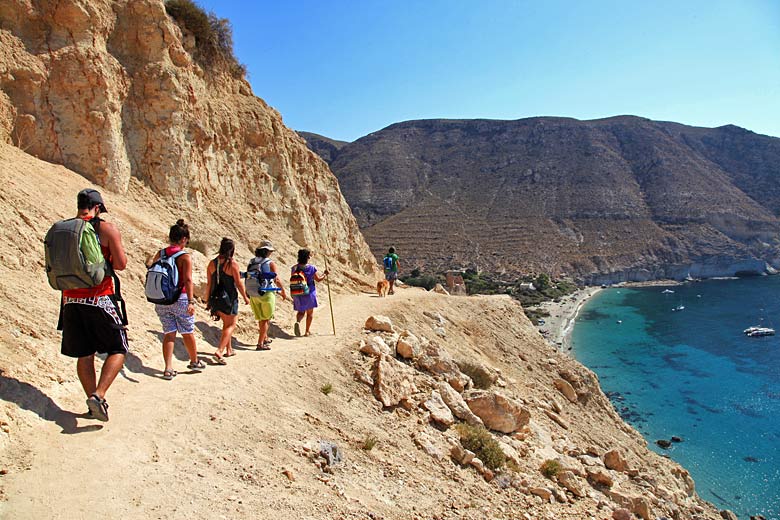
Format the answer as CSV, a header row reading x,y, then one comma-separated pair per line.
x,y
110,90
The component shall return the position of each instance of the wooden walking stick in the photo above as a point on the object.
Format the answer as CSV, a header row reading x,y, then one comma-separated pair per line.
x,y
330,301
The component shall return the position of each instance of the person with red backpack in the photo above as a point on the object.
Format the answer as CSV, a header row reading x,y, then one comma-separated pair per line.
x,y
92,315
303,290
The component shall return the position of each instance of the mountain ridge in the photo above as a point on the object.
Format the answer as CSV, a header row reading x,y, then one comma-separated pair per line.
x,y
697,199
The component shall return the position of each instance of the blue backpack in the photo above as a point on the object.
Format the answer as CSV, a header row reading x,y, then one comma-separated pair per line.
x,y
259,277
162,280
388,262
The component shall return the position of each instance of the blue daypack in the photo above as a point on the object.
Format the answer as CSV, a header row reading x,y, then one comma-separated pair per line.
x,y
162,280
388,262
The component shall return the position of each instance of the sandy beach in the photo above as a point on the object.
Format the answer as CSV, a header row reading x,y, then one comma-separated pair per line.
x,y
558,325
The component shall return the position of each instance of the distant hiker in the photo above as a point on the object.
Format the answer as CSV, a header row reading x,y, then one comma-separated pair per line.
x,y
169,286
224,284
391,265
304,291
262,284
81,256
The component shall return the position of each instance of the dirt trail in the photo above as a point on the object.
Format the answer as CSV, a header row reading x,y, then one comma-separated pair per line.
x,y
178,435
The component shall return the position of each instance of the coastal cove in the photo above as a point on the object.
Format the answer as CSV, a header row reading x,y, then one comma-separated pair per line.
x,y
693,374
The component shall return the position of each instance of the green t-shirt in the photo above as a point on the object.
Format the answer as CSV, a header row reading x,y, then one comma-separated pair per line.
x,y
394,267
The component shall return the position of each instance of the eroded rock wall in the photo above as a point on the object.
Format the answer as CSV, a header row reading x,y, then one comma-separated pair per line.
x,y
110,90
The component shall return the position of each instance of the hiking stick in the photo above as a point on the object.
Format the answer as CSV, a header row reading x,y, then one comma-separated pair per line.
x,y
330,301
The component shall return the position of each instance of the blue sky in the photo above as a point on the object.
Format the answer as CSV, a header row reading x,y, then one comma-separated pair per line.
x,y
344,69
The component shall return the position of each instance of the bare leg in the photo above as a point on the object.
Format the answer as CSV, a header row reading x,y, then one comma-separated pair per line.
x,y
167,345
299,316
108,373
85,368
189,344
309,318
228,326
392,283
263,325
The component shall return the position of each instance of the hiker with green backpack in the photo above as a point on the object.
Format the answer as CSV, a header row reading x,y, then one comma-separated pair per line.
x,y
82,254
169,286
391,265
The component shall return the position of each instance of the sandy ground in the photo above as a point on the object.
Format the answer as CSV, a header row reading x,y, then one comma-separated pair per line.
x,y
559,324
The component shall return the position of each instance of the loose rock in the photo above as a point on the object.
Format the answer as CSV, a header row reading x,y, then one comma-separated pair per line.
x,y
393,381
440,413
497,411
457,405
613,459
379,323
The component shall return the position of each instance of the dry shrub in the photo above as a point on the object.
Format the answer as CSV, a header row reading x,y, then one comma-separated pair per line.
x,y
550,468
478,440
326,389
481,378
368,443
213,35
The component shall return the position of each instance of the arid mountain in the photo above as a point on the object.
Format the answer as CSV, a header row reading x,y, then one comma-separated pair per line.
x,y
323,146
115,90
614,199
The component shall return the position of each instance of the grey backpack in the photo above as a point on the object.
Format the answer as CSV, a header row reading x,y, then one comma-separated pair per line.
x,y
73,256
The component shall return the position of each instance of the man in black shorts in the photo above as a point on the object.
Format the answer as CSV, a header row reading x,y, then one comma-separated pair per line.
x,y
90,319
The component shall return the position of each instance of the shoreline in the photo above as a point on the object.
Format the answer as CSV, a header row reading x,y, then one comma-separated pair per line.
x,y
559,324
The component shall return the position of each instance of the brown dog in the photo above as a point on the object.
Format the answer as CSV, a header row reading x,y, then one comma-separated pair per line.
x,y
382,287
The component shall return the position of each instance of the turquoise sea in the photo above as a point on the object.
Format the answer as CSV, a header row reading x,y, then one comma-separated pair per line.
x,y
695,375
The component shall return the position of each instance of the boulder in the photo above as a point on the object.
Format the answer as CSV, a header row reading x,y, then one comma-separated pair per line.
x,y
622,514
461,455
557,418
330,452
437,361
600,477
393,381
566,389
613,459
663,443
641,508
541,492
440,413
573,483
457,405
438,288
728,515
497,411
375,346
379,323
426,443
408,345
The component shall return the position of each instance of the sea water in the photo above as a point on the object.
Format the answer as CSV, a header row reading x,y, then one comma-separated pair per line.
x,y
692,373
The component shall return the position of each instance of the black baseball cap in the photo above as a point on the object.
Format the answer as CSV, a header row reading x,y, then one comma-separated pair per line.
x,y
89,198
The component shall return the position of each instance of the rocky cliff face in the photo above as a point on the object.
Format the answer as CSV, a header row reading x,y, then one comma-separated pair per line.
x,y
618,198
110,90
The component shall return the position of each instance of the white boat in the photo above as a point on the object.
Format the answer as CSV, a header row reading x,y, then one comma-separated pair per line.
x,y
667,291
757,332
679,308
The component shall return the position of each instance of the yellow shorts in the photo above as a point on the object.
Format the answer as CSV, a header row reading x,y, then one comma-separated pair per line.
x,y
263,306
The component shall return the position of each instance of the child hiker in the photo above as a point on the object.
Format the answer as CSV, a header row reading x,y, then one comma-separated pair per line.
x,y
304,291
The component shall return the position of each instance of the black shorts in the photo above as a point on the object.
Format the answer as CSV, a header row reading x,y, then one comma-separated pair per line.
x,y
92,327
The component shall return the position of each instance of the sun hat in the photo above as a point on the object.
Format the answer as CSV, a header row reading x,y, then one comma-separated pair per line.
x,y
266,244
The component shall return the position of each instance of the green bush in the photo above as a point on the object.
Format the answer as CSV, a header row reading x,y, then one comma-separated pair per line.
x,y
550,468
478,440
427,282
326,389
213,35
